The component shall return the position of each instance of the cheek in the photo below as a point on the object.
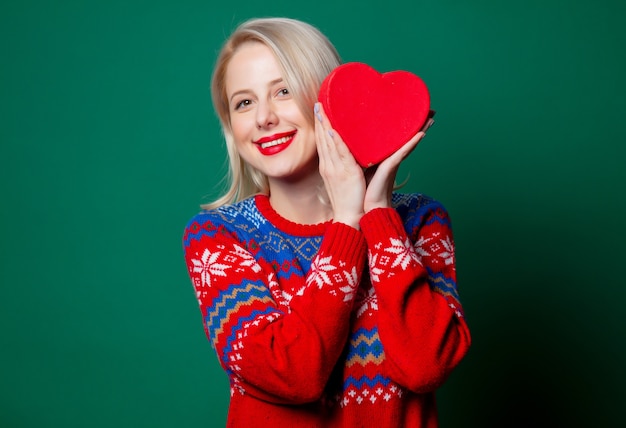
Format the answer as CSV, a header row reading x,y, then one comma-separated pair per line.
x,y
293,114
299,120
241,129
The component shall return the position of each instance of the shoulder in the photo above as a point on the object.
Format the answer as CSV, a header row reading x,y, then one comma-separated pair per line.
x,y
422,214
238,218
417,209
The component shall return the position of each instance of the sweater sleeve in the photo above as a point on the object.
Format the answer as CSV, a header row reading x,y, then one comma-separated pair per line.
x,y
276,353
421,323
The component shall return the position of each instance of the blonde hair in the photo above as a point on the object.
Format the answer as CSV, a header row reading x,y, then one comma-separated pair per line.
x,y
305,57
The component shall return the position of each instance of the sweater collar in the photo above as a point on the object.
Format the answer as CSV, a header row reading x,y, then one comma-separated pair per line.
x,y
288,226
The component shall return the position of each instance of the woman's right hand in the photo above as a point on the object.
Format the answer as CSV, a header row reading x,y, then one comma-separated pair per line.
x,y
343,176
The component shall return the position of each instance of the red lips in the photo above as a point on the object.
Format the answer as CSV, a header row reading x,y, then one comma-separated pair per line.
x,y
272,144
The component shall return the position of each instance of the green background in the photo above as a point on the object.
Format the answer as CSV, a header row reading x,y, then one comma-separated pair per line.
x,y
109,144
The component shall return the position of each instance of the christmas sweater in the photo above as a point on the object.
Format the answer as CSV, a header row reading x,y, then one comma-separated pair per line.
x,y
325,325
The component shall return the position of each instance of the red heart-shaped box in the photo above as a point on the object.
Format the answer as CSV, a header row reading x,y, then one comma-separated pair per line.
x,y
375,113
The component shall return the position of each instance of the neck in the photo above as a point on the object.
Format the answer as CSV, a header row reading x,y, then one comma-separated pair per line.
x,y
300,202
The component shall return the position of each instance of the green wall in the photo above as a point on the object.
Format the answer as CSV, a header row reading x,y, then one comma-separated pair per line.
x,y
108,143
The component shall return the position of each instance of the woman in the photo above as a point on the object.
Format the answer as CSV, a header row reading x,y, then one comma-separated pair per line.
x,y
330,300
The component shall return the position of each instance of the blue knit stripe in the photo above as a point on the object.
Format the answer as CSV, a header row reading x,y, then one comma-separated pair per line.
x,y
443,285
439,216
196,229
278,245
359,383
230,301
365,347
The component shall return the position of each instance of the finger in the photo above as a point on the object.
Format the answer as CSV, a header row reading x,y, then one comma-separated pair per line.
x,y
411,144
322,147
326,134
389,167
336,143
321,137
334,156
326,144
328,138
396,158
341,147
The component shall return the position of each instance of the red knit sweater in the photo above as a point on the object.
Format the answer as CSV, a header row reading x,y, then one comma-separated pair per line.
x,y
324,325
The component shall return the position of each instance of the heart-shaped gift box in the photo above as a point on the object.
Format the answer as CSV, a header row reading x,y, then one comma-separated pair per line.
x,y
374,113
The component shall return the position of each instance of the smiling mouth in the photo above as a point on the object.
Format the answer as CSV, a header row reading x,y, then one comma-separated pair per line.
x,y
276,142
278,139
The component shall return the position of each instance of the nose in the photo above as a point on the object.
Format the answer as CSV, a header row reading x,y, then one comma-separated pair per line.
x,y
266,116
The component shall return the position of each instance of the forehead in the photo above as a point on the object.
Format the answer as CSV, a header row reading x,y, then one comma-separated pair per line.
x,y
252,65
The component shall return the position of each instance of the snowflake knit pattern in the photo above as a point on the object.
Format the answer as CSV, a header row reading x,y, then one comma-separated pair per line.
x,y
325,325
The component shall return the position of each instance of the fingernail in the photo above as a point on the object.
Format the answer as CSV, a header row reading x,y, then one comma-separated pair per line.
x,y
316,109
331,133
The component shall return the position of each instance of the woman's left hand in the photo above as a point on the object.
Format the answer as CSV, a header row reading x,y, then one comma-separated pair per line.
x,y
343,177
381,178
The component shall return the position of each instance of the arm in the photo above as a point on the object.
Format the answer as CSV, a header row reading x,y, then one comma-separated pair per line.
x,y
276,353
421,324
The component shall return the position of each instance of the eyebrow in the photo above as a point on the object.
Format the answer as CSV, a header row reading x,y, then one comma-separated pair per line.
x,y
245,91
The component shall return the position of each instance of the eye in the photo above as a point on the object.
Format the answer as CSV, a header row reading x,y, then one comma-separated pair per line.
x,y
283,92
242,104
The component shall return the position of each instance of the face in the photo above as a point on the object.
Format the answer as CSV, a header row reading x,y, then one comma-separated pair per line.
x,y
269,130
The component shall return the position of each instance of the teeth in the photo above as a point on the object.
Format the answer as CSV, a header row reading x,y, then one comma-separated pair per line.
x,y
275,142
